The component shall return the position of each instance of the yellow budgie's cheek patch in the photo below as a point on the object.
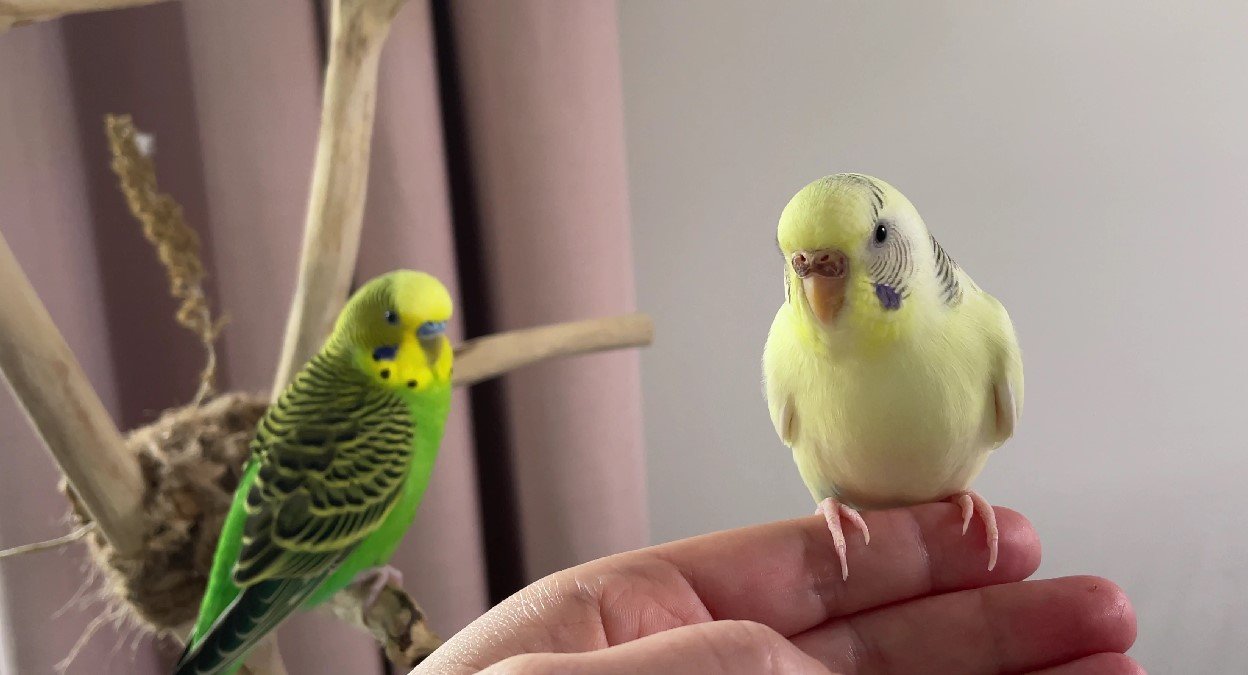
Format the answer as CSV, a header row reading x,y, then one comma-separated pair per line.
x,y
889,297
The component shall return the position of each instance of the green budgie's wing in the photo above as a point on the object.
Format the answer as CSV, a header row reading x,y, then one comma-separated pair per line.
x,y
332,456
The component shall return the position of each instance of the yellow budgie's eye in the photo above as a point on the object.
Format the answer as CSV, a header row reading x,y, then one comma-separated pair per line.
x,y
392,317
881,233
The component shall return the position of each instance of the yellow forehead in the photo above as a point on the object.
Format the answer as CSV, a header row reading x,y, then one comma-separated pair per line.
x,y
420,297
832,212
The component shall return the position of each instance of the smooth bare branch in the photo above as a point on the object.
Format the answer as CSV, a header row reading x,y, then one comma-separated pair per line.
x,y
358,29
58,399
493,355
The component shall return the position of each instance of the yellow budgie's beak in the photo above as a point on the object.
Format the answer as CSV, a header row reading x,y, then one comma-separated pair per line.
x,y
824,274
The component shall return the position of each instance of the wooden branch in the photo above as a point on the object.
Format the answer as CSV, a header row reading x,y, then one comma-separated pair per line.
x,y
68,415
21,12
394,620
358,29
493,355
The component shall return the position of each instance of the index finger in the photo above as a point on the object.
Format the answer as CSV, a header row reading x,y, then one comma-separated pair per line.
x,y
786,574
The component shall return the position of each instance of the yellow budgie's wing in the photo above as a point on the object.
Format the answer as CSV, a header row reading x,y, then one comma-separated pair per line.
x,y
1007,378
777,359
333,458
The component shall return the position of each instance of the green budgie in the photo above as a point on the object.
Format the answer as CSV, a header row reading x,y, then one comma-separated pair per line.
x,y
338,467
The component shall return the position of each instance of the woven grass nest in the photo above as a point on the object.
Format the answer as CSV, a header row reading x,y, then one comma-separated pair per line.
x,y
191,459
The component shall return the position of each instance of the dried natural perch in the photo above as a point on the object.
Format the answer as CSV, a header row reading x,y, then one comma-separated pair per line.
x,y
331,239
395,620
57,397
184,467
18,12
492,355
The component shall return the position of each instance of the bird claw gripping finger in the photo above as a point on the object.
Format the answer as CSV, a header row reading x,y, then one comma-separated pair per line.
x,y
377,579
972,504
832,512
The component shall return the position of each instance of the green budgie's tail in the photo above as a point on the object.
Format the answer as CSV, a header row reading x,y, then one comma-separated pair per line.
x,y
254,613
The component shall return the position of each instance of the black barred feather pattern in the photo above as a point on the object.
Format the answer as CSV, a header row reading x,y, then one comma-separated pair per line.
x,y
892,265
334,453
947,275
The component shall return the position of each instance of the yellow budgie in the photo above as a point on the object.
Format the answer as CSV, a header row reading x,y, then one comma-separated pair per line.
x,y
889,372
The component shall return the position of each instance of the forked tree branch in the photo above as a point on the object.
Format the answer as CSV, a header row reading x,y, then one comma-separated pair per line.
x,y
72,421
331,239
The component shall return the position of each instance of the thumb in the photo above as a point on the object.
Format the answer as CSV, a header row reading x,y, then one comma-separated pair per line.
x,y
726,647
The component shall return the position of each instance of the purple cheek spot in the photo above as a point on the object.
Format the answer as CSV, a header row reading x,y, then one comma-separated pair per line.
x,y
385,353
889,297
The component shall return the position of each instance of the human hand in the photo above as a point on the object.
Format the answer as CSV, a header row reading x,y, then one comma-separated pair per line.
x,y
770,599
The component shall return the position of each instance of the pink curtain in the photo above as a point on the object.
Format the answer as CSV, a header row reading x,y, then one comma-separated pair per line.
x,y
498,164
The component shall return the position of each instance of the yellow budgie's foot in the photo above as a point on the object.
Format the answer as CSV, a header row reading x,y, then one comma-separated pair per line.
x,y
377,578
971,504
832,512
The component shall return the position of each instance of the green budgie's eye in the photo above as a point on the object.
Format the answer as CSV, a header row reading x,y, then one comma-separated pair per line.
x,y
392,317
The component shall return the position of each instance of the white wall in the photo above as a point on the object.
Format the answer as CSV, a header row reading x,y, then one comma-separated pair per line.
x,y
1086,162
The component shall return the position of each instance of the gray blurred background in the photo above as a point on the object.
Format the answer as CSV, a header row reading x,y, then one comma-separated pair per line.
x,y
1085,162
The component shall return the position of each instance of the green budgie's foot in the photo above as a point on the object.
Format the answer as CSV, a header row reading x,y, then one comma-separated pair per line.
x,y
376,579
971,504
832,511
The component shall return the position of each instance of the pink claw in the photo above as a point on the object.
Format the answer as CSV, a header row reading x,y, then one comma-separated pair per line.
x,y
832,511
971,504
377,579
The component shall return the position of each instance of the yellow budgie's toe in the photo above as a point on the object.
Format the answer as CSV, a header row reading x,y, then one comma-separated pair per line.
x,y
832,512
971,504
